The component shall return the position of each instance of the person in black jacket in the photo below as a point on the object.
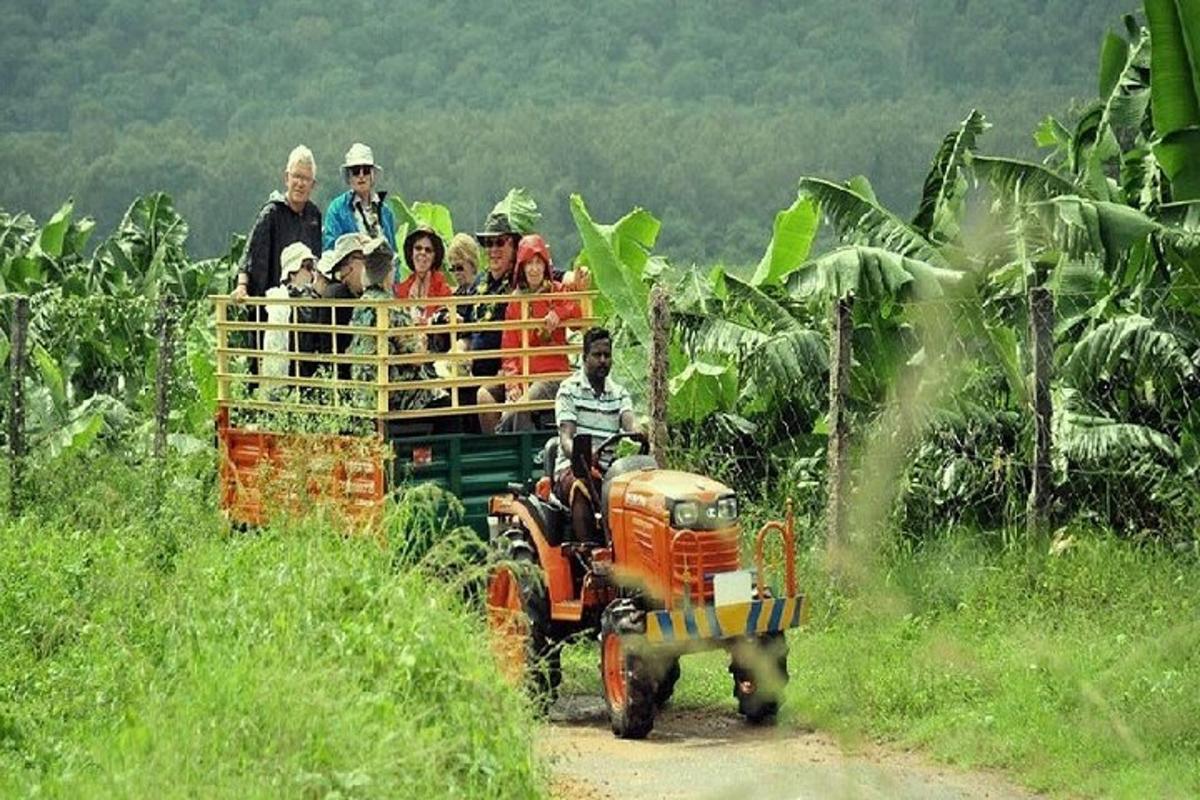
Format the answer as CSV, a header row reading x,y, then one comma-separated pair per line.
x,y
499,237
288,216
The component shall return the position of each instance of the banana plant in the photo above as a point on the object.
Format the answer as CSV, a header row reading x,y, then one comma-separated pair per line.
x,y
1175,92
32,258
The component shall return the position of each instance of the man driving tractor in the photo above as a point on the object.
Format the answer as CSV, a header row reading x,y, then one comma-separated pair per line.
x,y
588,402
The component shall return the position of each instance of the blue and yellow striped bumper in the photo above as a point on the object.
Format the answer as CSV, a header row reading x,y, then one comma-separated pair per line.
x,y
723,622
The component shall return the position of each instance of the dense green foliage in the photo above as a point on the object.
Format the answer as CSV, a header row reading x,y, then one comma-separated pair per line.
x,y
153,655
704,113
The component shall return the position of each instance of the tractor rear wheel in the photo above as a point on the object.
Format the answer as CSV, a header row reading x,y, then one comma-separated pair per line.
x,y
629,686
759,668
518,614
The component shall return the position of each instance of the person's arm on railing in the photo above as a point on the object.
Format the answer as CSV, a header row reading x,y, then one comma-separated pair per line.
x,y
254,260
510,366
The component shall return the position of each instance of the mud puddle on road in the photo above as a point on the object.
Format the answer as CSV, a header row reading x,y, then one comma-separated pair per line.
x,y
713,754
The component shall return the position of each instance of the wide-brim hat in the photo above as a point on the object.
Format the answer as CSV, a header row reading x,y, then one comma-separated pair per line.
x,y
497,225
346,244
359,155
439,248
293,257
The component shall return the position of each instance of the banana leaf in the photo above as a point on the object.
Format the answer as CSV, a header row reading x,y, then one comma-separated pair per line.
x,y
50,240
701,390
868,272
1113,54
1179,156
436,216
1175,91
1174,64
617,256
1091,226
943,184
521,210
860,220
792,236
1035,182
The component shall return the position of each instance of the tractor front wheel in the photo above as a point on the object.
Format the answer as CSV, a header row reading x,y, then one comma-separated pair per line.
x,y
664,687
519,623
629,686
759,668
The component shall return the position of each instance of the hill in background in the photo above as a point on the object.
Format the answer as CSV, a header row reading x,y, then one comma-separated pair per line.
x,y
705,113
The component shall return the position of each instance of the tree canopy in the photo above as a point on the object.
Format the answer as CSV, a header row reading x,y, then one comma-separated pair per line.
x,y
705,113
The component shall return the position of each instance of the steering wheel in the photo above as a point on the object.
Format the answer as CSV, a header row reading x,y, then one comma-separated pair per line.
x,y
611,442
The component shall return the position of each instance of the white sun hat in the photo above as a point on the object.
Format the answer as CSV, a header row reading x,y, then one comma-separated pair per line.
x,y
293,257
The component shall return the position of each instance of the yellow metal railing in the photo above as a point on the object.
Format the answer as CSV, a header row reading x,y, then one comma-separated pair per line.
x,y
327,392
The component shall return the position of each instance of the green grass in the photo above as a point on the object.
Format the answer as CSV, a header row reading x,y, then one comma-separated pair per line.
x,y
289,663
162,656
1074,674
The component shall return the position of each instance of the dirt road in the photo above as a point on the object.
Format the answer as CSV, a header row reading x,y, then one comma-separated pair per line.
x,y
713,754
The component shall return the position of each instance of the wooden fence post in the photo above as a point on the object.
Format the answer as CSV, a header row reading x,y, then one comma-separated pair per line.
x,y
16,405
162,380
840,355
660,328
1041,345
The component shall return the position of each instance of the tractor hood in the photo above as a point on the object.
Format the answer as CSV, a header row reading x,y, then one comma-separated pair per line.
x,y
672,485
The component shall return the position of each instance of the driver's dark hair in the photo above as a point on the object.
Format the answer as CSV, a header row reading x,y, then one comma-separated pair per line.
x,y
594,335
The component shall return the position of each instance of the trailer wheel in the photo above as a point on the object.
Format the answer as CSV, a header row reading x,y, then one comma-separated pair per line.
x,y
629,687
518,615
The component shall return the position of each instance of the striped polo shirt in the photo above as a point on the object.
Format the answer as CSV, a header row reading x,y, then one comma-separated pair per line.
x,y
597,414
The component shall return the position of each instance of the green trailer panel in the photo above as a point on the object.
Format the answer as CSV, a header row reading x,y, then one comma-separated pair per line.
x,y
472,467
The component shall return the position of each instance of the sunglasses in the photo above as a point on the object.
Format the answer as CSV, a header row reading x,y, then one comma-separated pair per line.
x,y
458,267
361,169
421,248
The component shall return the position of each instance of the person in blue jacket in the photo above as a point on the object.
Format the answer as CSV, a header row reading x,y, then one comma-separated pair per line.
x,y
361,209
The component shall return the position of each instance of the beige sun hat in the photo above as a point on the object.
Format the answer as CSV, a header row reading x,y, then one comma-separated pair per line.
x,y
293,257
359,155
346,244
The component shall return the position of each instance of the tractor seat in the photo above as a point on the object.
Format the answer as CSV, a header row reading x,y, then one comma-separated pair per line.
x,y
550,456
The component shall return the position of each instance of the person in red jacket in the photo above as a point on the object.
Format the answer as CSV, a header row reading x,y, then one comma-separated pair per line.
x,y
424,253
532,277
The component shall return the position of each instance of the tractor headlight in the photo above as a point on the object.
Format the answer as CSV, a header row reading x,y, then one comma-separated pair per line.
x,y
727,509
685,514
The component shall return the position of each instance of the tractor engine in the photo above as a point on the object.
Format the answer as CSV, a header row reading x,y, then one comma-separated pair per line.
x,y
671,531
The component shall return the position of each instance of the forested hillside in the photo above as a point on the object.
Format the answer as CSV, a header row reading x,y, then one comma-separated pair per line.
x,y
706,113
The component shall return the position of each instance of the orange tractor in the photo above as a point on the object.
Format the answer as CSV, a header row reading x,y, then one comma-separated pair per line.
x,y
667,581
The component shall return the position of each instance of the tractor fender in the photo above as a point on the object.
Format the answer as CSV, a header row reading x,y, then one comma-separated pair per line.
x,y
625,617
554,563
